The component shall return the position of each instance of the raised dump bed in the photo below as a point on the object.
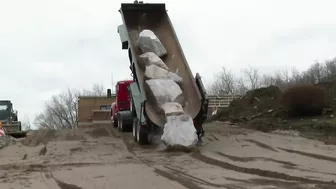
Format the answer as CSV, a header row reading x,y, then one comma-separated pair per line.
x,y
137,17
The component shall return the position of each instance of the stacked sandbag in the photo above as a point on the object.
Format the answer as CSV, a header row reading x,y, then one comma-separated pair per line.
x,y
163,89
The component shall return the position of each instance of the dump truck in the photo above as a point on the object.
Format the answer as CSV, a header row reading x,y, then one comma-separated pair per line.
x,y
9,119
136,17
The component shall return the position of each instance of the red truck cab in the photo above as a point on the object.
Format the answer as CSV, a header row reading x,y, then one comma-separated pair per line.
x,y
122,102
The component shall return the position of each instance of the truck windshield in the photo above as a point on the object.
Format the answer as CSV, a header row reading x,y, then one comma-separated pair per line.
x,y
3,107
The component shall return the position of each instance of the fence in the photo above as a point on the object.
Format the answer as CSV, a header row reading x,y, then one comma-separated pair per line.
x,y
221,101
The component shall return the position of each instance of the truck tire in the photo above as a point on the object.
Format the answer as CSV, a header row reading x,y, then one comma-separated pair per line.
x,y
121,125
143,136
134,128
115,122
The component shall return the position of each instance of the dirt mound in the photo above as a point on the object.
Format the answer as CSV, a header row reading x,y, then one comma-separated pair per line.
x,y
268,109
305,100
255,102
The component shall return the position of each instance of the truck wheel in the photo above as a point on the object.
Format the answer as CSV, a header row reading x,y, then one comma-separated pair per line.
x,y
143,137
134,128
115,122
121,125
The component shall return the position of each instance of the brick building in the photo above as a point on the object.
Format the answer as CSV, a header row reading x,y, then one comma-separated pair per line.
x,y
94,108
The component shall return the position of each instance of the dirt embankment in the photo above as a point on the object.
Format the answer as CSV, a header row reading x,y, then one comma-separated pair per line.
x,y
262,102
268,109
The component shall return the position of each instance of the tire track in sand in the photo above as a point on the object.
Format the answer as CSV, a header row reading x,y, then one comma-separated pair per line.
x,y
168,173
261,145
256,171
285,164
52,182
194,183
316,156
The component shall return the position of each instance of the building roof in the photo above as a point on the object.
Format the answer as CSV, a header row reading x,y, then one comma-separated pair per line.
x,y
86,97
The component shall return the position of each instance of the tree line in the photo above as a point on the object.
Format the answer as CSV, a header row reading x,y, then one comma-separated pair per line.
x,y
61,110
227,83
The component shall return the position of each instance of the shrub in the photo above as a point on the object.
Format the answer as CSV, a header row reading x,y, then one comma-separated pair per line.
x,y
304,100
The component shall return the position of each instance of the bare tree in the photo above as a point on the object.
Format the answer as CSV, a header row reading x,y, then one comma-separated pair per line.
x,y
286,75
315,71
227,83
330,69
267,80
224,84
252,77
241,87
61,110
96,90
296,76
216,88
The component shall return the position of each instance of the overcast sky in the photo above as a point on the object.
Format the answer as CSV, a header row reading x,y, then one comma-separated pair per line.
x,y
47,46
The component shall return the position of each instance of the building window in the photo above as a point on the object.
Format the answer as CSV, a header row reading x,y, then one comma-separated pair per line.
x,y
105,107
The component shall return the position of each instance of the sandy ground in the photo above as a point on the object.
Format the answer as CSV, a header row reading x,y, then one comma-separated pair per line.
x,y
231,158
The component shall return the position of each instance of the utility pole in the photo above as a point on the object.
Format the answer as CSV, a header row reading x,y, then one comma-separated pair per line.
x,y
112,88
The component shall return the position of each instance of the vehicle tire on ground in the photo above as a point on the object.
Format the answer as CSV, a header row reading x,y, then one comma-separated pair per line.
x,y
121,125
115,122
142,136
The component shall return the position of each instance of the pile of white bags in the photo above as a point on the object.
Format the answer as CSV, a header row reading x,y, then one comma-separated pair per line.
x,y
163,89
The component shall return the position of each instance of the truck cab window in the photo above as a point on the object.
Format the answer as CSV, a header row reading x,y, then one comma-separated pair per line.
x,y
3,107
